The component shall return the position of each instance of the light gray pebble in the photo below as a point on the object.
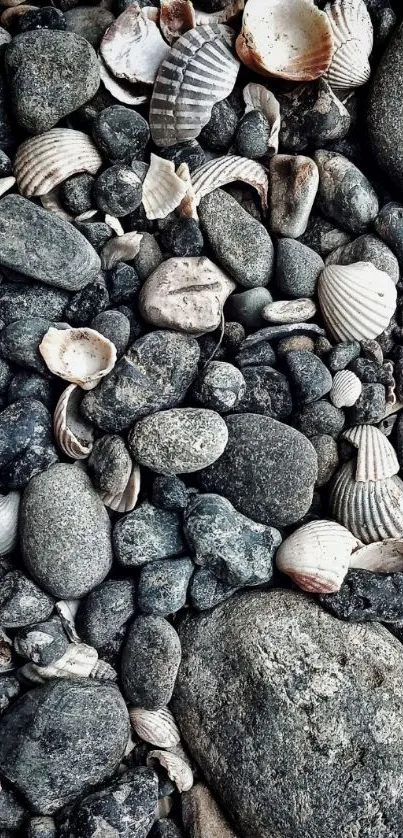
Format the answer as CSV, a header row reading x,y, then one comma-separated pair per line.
x,y
219,386
328,458
297,268
246,307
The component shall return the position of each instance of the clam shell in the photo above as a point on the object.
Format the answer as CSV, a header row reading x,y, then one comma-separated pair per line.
x,y
258,98
223,170
317,556
82,356
290,40
122,249
126,500
129,94
42,162
78,661
373,510
155,726
380,557
176,18
353,38
6,183
357,301
163,190
73,433
289,311
376,458
178,770
133,47
199,71
9,506
346,389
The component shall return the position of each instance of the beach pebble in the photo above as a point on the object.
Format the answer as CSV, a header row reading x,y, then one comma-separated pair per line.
x,y
341,355
109,464
46,18
20,340
76,193
22,602
311,114
261,354
115,326
267,392
246,308
146,534
97,233
123,284
89,21
370,407
367,248
121,133
219,132
103,614
163,586
219,386
297,268
385,114
294,184
42,643
328,458
148,257
169,492
252,135
371,372
321,417
117,190
345,195
206,590
310,378
367,596
165,828
26,384
289,311
26,442
323,235
84,305
12,812
183,237
150,660
190,153
389,226
9,690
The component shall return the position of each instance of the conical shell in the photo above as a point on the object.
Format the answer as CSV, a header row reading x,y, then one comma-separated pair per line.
x,y
133,47
42,162
290,40
357,301
376,458
176,18
178,770
163,190
155,726
73,433
352,43
372,510
317,556
199,71
129,94
223,170
380,557
122,249
82,356
346,389
78,661
126,500
258,98
9,506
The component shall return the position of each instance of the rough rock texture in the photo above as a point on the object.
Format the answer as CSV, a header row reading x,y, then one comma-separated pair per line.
x,y
146,534
201,816
21,601
26,442
345,194
150,659
305,710
385,109
367,596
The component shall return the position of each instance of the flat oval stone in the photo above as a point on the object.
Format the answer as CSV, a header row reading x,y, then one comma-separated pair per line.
x,y
385,109
289,311
39,244
179,441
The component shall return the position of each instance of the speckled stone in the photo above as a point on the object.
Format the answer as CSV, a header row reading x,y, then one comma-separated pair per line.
x,y
267,392
22,603
297,268
150,660
146,534
206,590
26,442
311,114
103,614
321,417
345,194
163,586
219,386
366,596
385,112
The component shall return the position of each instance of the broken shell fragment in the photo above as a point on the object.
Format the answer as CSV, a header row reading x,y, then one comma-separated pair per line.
x,y
163,189
125,500
357,301
42,162
230,10
176,18
9,506
121,249
317,556
133,47
73,433
289,311
6,183
353,38
78,661
346,389
223,170
376,457
381,557
82,356
259,98
155,726
129,94
178,770
373,510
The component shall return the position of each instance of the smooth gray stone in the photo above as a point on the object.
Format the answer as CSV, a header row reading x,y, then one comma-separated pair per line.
x,y
219,386
146,534
297,268
247,307
89,21
385,110
105,610
150,659
310,378
12,813
345,195
206,590
389,226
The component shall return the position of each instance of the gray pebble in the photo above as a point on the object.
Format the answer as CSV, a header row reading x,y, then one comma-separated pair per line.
x,y
117,190
342,354
206,590
150,660
89,22
296,342
28,385
219,132
293,187
146,534
169,492
26,442
163,586
246,307
310,379
109,464
84,305
384,114
115,326
320,418
389,226
22,602
311,115
76,193
323,235
20,340
12,812
367,248
261,354
371,372
103,614
10,688
370,407
297,269
41,827
166,828
96,232
366,596
148,258
328,458
21,299
252,135
42,643
219,386
121,133
345,194
267,392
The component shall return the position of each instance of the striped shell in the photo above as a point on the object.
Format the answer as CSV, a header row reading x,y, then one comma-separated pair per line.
x,y
82,356
125,500
163,189
380,557
223,170
376,458
178,770
346,389
316,556
9,506
155,726
133,47
357,301
258,98
121,249
290,40
289,311
42,162
78,661
199,71
73,433
353,39
129,94
372,510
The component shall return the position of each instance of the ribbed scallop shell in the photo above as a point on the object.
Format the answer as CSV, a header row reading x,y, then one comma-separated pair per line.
x,y
346,389
376,458
178,770
259,98
163,190
372,510
199,71
316,556
78,661
73,433
155,726
9,506
133,47
126,500
122,249
223,170
42,162
380,557
352,43
82,356
357,301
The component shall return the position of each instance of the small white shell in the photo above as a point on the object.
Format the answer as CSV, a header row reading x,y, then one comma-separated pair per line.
x,y
289,311
67,610
178,770
129,94
6,183
376,458
352,43
223,170
122,249
372,510
357,301
346,389
155,726
380,557
82,356
78,661
126,500
133,47
259,98
42,162
163,189
9,506
73,433
317,556
103,671
87,215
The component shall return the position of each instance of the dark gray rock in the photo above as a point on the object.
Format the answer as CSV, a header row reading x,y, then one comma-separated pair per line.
x,y
42,643
96,232
169,492
219,132
69,77
89,22
8,139
146,534
367,248
219,386
150,660
165,828
345,194
109,464
260,355
121,133
320,418
41,827
297,342
104,613
69,734
323,235
76,193
46,18
190,153
293,189
123,284
6,377
310,379
267,392
12,812
341,355
118,190
270,457
26,442
182,237
115,326
388,224
247,307
297,268
252,138
22,603
28,385
383,19
22,299
371,372
370,407
20,340
311,115
385,112
65,532
163,586
328,458
206,590
148,257
10,688
366,596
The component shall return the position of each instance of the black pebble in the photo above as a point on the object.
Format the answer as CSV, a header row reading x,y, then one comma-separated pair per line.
x,y
252,135
342,355
93,299
30,385
96,232
123,284
310,378
370,372
367,596
320,418
370,407
219,132
121,133
163,586
117,191
76,193
267,393
190,153
183,237
46,18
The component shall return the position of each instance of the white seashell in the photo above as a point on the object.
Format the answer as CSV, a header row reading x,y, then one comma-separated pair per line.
x,y
103,671
353,39
126,500
114,224
357,301
199,71
42,162
317,556
86,216
52,203
178,770
223,170
155,726
133,47
258,98
372,510
380,557
222,16
176,18
290,40
122,249
73,433
6,183
9,506
289,311
67,610
163,190
346,389
82,356
188,205
78,661
376,458
129,94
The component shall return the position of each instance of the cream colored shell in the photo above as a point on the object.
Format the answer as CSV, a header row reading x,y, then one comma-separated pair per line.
x,y
133,47
155,726
82,356
346,389
163,189
73,433
120,249
9,506
224,170
353,37
376,457
42,162
373,510
78,661
178,770
259,98
316,556
380,557
357,301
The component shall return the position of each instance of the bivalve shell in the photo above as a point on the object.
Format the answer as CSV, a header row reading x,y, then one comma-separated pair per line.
x,y
376,458
178,770
224,170
133,47
289,311
82,356
121,249
380,557
353,38
346,389
163,189
73,433
126,500
317,556
155,726
9,506
42,162
373,510
357,301
78,661
259,98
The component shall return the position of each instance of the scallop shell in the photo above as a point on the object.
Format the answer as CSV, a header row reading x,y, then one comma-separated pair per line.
x,y
122,249
163,190
289,311
82,356
73,433
133,47
178,770
290,40
380,557
78,661
353,39
176,18
129,94
199,71
155,726
126,500
376,458
42,162
223,170
317,556
372,510
357,301
258,98
346,389
9,506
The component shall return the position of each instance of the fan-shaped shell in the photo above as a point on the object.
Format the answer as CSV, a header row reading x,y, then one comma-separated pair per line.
x,y
9,506
178,770
78,661
223,170
129,94
82,356
289,311
353,37
126,500
155,726
42,162
376,456
317,556
357,301
291,40
163,190
122,249
199,71
380,557
259,98
133,47
346,389
372,510
73,433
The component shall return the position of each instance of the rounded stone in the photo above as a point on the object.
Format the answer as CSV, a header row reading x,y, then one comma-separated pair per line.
x,y
46,18
115,326
252,135
247,307
367,248
344,193
385,110
169,492
310,379
220,386
163,586
118,190
219,132
321,417
76,193
150,660
297,268
89,22
182,237
120,133
328,458
105,611
22,603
